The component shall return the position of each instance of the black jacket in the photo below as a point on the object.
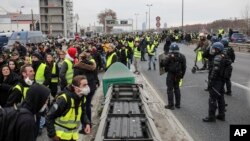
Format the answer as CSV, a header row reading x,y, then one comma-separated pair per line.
x,y
175,65
16,95
25,126
88,69
6,86
59,108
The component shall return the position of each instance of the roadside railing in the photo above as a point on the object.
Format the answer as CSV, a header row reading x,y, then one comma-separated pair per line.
x,y
239,47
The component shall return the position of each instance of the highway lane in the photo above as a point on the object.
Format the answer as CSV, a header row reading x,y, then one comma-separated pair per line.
x,y
195,100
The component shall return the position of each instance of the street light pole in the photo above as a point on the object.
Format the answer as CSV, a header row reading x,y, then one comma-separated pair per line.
x,y
182,16
20,12
136,14
146,20
149,14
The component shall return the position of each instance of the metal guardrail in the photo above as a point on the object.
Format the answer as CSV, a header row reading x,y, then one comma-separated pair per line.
x,y
239,47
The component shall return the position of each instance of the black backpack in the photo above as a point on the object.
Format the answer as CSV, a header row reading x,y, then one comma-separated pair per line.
x,y
8,118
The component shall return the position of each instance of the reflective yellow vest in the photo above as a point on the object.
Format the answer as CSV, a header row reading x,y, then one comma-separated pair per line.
x,y
155,42
54,79
137,54
137,38
23,90
40,74
67,126
131,45
69,73
147,38
109,60
151,49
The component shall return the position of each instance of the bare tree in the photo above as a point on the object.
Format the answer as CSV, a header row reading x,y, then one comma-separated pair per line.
x,y
102,15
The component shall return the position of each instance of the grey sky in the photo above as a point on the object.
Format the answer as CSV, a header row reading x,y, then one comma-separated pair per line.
x,y
195,11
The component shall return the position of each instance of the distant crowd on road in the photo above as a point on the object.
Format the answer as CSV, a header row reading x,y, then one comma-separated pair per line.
x,y
56,81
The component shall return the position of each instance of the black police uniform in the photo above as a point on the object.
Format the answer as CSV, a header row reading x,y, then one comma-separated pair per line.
x,y
175,65
216,88
231,55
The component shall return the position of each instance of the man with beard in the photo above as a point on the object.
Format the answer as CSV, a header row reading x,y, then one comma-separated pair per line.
x,y
19,91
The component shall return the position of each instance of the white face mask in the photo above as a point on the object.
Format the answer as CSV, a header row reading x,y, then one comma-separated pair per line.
x,y
43,108
85,91
28,81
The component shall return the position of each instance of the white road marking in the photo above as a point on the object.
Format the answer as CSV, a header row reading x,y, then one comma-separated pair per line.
x,y
169,111
241,86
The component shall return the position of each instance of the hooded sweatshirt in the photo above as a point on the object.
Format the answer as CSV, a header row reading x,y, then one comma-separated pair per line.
x,y
25,127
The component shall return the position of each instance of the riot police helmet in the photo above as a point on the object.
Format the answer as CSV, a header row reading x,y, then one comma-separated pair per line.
x,y
225,42
174,48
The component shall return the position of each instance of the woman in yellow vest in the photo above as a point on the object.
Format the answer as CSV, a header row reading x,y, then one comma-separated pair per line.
x,y
50,63
64,117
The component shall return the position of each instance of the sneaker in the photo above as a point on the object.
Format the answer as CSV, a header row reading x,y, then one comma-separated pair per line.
x,y
169,107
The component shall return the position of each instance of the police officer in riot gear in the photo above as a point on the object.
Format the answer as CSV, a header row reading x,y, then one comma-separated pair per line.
x,y
175,66
216,83
229,51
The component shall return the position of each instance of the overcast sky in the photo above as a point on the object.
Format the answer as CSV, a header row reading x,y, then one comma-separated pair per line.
x,y
195,11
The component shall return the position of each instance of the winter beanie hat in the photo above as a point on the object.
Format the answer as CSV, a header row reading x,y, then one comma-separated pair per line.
x,y
72,52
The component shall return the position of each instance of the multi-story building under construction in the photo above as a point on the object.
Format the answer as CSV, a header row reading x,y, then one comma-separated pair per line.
x,y
56,17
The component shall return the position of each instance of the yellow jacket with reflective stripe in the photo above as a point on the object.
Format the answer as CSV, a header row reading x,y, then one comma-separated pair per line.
x,y
109,60
151,49
40,73
69,72
22,90
54,79
67,126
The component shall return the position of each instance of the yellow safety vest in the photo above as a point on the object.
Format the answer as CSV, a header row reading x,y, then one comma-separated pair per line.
x,y
137,38
148,38
131,45
23,91
137,54
109,60
67,126
54,79
155,42
40,74
151,49
69,73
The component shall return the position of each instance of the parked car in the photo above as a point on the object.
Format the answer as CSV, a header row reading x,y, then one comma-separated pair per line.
x,y
25,37
238,38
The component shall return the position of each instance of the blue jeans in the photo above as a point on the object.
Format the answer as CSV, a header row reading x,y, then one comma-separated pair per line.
x,y
150,59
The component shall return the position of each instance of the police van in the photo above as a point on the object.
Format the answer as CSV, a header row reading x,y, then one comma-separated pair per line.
x,y
25,37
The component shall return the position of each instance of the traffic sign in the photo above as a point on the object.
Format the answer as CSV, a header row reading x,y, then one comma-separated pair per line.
x,y
158,24
158,18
